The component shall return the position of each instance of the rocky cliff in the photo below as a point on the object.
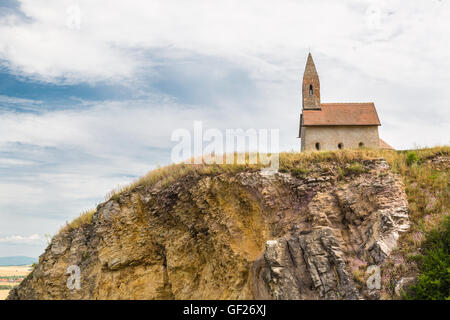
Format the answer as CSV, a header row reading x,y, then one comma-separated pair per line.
x,y
232,235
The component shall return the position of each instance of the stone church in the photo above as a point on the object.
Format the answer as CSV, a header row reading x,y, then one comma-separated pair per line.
x,y
331,126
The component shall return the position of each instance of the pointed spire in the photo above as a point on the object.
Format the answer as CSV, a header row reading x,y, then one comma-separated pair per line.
x,y
310,66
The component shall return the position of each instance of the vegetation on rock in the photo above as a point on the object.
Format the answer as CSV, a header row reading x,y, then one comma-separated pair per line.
x,y
433,282
194,231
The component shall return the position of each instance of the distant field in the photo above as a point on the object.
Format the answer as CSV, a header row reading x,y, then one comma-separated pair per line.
x,y
11,276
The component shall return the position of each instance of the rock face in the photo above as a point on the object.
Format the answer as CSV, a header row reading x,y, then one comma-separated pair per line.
x,y
308,266
403,284
232,236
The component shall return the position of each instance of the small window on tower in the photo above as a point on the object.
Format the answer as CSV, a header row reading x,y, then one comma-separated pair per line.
x,y
317,146
310,90
361,144
340,145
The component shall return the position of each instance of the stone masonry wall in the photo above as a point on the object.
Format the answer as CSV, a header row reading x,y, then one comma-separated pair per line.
x,y
329,137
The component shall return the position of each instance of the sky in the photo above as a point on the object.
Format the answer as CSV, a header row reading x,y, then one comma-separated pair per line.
x,y
91,90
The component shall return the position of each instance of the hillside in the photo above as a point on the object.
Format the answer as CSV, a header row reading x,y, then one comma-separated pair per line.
x,y
310,231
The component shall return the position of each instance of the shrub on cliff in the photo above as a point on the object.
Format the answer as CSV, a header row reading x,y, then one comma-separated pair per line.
x,y
411,158
433,282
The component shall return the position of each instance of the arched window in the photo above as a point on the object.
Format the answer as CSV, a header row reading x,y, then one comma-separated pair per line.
x,y
317,146
361,144
340,145
310,90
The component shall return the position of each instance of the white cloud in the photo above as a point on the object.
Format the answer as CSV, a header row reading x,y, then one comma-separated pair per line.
x,y
385,39
15,100
7,162
34,238
361,47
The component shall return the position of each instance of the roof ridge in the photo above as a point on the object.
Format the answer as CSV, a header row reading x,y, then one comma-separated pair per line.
x,y
384,144
348,102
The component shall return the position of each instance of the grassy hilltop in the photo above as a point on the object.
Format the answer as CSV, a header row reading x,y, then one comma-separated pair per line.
x,y
422,251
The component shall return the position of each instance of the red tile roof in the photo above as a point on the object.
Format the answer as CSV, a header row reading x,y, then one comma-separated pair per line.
x,y
384,145
342,114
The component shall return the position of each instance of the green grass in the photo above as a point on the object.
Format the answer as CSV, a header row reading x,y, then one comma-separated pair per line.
x,y
354,168
299,172
411,158
428,193
433,281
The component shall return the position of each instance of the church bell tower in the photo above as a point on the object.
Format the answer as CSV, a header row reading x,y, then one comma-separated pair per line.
x,y
311,86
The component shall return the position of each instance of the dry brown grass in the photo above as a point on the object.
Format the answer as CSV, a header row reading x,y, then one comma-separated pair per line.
x,y
169,174
289,161
422,181
428,191
83,219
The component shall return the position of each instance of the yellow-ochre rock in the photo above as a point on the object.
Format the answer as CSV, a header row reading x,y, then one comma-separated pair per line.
x,y
230,235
